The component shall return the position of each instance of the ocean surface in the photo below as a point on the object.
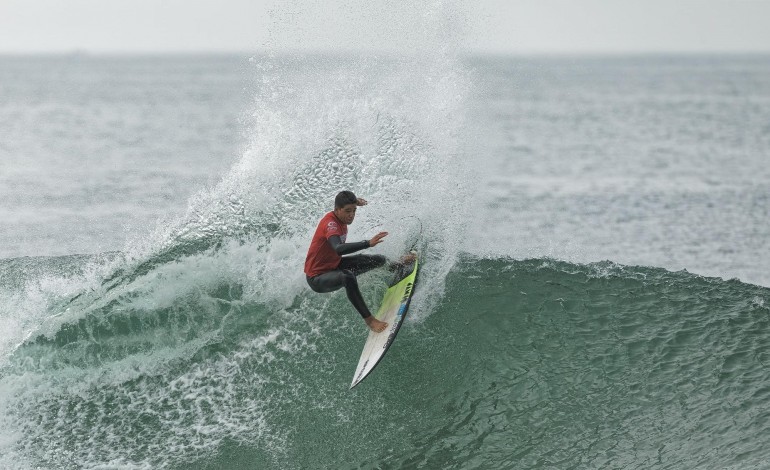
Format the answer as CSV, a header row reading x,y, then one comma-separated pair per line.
x,y
594,290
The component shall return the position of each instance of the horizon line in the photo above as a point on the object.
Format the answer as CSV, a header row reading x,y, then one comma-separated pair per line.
x,y
85,53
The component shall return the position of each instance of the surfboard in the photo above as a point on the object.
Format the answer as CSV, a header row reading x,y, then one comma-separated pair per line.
x,y
392,310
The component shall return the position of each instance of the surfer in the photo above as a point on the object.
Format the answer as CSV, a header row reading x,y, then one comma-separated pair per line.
x,y
325,267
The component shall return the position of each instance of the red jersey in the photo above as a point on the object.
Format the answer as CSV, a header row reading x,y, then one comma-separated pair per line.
x,y
321,257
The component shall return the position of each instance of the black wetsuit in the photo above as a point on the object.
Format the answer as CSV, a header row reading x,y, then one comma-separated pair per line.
x,y
346,272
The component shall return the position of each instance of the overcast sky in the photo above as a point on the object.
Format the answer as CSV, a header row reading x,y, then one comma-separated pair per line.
x,y
515,26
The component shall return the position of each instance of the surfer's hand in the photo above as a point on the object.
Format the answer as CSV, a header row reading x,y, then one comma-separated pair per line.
x,y
361,202
377,238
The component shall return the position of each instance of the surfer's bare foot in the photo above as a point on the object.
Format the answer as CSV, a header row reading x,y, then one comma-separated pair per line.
x,y
375,325
403,261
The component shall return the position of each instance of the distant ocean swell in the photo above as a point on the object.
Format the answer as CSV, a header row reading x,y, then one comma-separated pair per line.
x,y
522,364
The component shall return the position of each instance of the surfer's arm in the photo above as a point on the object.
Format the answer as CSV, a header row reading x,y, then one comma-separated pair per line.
x,y
346,248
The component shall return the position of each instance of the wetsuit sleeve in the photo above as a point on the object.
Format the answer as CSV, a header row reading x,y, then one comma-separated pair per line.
x,y
346,248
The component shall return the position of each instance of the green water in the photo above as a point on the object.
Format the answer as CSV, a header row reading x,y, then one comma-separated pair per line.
x,y
523,364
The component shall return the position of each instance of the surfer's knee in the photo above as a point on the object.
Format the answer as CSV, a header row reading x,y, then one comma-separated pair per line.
x,y
349,278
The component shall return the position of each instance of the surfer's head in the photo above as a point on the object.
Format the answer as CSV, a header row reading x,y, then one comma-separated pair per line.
x,y
345,205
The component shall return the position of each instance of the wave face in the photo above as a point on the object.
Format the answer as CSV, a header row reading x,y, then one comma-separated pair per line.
x,y
522,364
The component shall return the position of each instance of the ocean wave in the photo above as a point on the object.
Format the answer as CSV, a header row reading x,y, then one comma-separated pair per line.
x,y
521,363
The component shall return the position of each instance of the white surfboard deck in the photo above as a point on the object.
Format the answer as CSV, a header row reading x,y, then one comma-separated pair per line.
x,y
393,310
